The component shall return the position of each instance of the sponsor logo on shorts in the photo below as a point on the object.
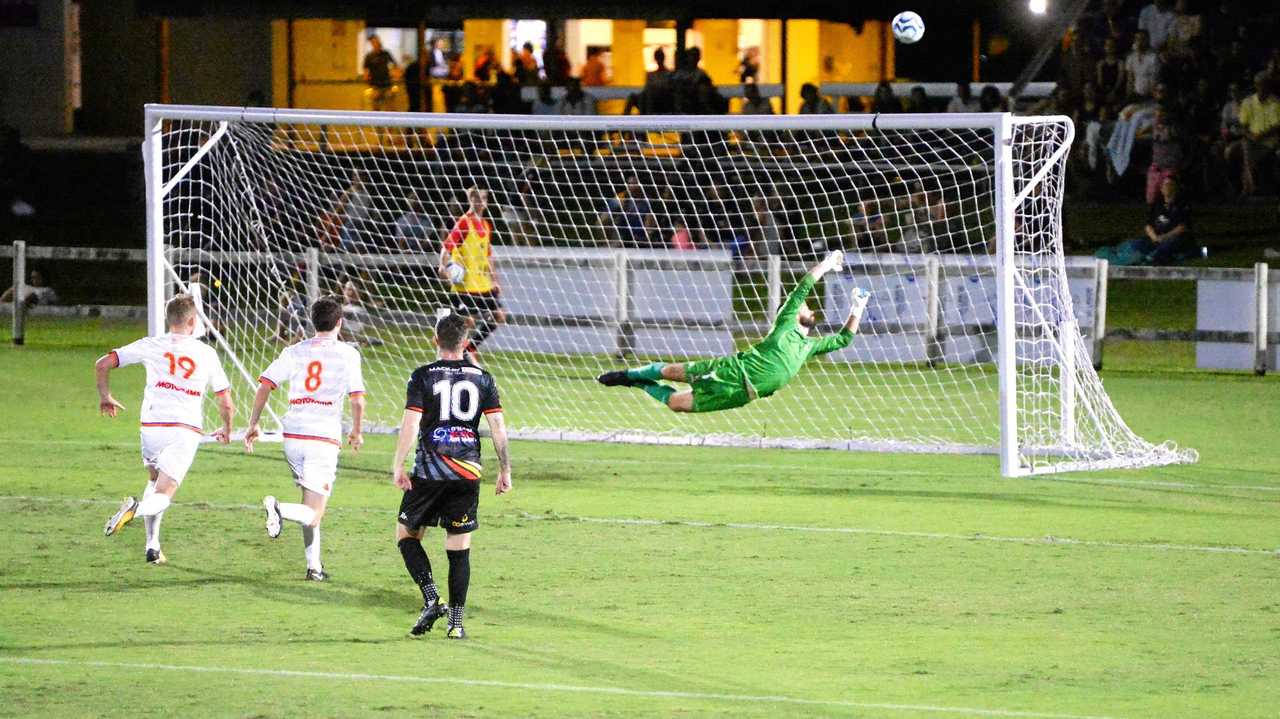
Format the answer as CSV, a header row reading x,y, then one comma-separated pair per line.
x,y
404,516
462,522
453,435
166,384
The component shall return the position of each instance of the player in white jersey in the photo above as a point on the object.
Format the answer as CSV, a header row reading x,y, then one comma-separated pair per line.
x,y
179,369
320,371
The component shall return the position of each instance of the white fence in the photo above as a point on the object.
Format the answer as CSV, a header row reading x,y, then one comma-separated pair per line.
x,y
624,302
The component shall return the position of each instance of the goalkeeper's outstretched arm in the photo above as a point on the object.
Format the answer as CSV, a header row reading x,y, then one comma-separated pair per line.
x,y
841,339
786,318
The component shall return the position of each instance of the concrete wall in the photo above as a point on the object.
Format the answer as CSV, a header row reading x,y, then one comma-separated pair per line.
x,y
34,92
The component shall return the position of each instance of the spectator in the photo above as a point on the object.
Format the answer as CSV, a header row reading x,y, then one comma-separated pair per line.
x,y
749,66
470,100
555,62
990,99
627,218
681,236
721,221
656,98
1157,20
754,103
34,292
594,73
884,101
1110,74
452,91
710,101
1116,23
527,66
866,227
486,63
919,99
506,99
1166,236
764,235
964,101
685,81
811,103
1054,104
1185,32
413,227
519,214
1235,64
545,104
438,63
1260,119
378,65
356,208
920,220
1229,117
413,85
575,101
1141,67
1167,152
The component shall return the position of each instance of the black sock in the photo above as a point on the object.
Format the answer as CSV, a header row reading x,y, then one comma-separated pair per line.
x,y
459,578
415,560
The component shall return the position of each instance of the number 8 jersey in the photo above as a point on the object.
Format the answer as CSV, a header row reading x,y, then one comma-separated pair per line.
x,y
451,395
179,369
321,373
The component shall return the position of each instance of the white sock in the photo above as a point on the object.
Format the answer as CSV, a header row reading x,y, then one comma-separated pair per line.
x,y
300,513
311,542
152,523
153,505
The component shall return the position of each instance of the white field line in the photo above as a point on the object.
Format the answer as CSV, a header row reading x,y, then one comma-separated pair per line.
x,y
541,687
1047,540
817,467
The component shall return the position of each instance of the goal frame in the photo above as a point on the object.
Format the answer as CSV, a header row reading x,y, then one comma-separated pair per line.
x,y
160,277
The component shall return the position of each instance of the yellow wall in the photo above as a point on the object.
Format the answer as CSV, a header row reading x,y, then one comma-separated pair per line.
x,y
484,32
804,61
279,63
628,52
326,66
719,49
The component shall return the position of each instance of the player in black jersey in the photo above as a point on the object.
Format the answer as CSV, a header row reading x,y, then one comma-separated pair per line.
x,y
445,402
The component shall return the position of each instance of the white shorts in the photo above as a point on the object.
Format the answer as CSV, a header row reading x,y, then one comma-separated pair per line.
x,y
314,463
170,450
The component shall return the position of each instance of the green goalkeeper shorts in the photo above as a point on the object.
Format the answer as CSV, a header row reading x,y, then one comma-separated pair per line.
x,y
717,384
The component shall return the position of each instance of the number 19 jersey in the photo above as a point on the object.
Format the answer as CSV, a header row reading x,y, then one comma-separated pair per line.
x,y
451,395
321,373
179,369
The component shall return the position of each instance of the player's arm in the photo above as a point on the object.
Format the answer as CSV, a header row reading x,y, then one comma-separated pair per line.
x,y
265,388
227,412
498,432
356,438
841,339
787,313
102,369
408,432
451,240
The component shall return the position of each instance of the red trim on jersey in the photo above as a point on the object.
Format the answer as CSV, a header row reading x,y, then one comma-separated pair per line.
x,y
267,381
458,467
312,438
115,356
411,408
357,392
221,392
492,410
183,425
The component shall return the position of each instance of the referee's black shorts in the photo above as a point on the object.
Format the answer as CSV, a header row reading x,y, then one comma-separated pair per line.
x,y
452,504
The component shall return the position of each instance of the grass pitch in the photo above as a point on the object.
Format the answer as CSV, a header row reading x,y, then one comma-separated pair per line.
x,y
639,581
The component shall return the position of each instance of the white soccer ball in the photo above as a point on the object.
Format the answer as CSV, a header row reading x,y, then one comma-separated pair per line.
x,y
456,273
908,27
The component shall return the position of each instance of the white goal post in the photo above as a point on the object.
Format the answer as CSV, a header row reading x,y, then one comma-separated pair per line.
x,y
623,240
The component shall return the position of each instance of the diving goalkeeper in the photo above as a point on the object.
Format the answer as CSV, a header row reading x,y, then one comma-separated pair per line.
x,y
759,371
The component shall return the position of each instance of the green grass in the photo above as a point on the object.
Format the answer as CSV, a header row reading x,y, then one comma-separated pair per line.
x,y
909,603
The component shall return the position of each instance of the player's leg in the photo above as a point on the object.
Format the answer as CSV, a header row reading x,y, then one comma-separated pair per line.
x,y
315,469
417,510
681,401
459,517
458,548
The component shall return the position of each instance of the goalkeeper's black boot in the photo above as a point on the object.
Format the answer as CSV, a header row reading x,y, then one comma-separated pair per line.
x,y
617,378
430,613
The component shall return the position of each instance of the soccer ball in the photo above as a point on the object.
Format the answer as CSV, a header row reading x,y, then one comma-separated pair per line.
x,y
456,273
908,27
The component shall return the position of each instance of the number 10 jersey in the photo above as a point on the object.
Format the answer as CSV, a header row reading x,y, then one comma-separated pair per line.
x,y
451,395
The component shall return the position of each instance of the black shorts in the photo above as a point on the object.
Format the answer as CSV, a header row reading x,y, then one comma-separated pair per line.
x,y
475,303
451,504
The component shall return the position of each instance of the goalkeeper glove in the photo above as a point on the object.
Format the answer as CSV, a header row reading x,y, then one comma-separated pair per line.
x,y
858,300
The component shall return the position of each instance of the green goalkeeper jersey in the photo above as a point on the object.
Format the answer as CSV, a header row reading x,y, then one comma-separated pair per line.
x,y
770,364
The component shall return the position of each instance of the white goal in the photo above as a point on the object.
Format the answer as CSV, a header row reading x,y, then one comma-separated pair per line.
x,y
621,240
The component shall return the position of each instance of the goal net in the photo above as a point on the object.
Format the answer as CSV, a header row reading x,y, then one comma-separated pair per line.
x,y
618,241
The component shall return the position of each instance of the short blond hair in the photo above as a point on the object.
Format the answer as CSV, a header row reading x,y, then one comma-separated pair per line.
x,y
179,309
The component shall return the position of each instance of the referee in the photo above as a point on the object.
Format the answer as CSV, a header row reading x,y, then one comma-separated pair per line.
x,y
470,245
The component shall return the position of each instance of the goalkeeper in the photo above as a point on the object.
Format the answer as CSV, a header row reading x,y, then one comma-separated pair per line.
x,y
759,371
